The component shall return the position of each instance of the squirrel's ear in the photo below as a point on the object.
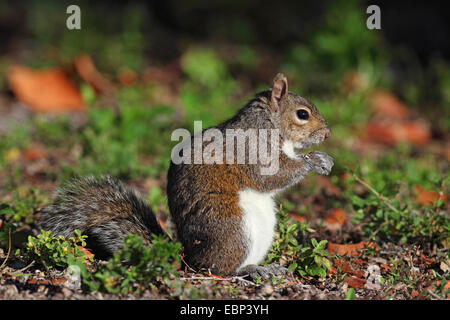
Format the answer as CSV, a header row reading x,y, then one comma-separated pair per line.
x,y
279,91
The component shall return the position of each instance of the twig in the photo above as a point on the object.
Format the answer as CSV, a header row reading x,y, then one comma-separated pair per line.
x,y
375,192
28,266
9,249
434,294
182,260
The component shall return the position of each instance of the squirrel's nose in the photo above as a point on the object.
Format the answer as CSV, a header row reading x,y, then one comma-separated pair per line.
x,y
327,133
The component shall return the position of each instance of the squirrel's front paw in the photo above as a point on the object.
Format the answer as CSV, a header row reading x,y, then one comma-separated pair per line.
x,y
319,162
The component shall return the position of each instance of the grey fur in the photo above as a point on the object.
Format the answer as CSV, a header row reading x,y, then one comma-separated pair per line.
x,y
103,208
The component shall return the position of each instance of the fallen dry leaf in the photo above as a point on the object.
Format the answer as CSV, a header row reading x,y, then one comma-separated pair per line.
x,y
34,153
427,198
88,72
427,261
387,105
391,133
345,267
162,223
355,282
48,90
87,253
56,281
127,77
297,217
349,249
335,219
437,283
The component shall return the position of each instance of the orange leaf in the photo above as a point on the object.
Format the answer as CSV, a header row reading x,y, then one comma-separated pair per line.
x,y
87,254
127,77
34,153
427,198
89,73
162,224
437,283
297,217
388,106
345,267
335,219
355,282
349,249
416,132
56,281
47,90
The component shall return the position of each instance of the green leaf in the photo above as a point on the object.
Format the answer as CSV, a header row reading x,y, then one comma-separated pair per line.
x,y
350,294
293,266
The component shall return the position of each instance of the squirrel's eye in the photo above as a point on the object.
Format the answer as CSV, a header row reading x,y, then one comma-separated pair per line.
x,y
302,114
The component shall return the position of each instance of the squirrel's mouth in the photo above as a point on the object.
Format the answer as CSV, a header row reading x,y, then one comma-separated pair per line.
x,y
312,140
315,138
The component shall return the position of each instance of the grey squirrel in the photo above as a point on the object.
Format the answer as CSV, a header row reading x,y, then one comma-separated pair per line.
x,y
224,213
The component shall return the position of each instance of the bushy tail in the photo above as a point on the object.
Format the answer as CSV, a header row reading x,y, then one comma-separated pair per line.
x,y
104,209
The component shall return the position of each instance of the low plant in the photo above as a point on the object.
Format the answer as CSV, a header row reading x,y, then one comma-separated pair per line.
x,y
136,265
388,215
53,251
305,259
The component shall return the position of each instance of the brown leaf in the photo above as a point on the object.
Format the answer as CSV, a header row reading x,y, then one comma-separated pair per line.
x,y
355,282
391,133
162,223
89,73
426,260
345,267
349,249
48,90
127,77
34,153
297,217
427,198
437,283
56,281
335,219
87,253
386,105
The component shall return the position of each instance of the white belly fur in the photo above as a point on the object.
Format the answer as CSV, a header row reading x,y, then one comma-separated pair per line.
x,y
258,218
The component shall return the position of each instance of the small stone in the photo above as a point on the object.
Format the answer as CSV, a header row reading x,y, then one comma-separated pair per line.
x,y
267,289
67,292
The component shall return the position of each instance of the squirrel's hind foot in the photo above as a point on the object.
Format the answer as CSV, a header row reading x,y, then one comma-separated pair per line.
x,y
264,272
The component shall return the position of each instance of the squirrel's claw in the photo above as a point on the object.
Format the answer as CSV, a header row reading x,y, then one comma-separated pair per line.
x,y
319,162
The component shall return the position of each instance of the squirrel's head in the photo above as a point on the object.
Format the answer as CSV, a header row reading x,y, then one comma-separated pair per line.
x,y
299,120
